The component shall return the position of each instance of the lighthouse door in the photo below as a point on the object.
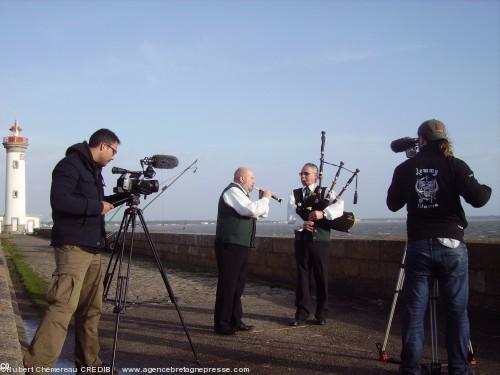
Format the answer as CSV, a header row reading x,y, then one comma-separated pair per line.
x,y
14,221
30,226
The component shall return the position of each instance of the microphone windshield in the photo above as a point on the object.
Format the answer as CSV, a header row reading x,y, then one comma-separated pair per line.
x,y
164,161
403,144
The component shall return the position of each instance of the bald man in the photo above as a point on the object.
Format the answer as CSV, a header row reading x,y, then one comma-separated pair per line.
x,y
235,235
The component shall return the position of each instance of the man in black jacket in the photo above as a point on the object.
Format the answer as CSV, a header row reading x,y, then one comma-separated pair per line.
x,y
78,235
430,184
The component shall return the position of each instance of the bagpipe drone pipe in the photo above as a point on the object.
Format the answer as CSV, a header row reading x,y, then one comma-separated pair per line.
x,y
321,197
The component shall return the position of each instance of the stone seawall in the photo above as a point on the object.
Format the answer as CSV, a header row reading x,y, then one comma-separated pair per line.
x,y
358,267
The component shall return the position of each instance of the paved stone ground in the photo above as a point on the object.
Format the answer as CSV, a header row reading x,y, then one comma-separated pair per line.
x,y
151,335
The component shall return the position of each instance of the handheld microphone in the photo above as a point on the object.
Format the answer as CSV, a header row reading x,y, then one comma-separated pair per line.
x,y
403,144
275,197
164,161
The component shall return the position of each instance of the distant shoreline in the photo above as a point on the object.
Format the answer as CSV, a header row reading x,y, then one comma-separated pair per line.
x,y
380,219
383,219
480,228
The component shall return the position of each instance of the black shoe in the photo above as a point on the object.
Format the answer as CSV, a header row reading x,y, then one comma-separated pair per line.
x,y
320,321
298,322
243,327
225,331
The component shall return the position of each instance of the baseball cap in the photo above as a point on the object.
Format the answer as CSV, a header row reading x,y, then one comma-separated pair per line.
x,y
432,130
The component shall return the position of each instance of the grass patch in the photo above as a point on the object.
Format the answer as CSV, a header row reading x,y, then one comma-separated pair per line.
x,y
35,285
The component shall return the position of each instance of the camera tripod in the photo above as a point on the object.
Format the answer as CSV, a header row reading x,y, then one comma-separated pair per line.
x,y
434,368
119,252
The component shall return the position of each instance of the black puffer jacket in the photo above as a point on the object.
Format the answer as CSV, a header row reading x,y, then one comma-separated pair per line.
x,y
75,196
431,185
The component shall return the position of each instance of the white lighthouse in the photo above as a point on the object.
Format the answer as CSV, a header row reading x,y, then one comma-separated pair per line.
x,y
15,219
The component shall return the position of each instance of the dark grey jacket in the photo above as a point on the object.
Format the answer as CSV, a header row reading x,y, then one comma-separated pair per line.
x,y
75,197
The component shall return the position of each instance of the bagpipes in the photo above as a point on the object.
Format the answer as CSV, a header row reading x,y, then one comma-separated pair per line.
x,y
321,197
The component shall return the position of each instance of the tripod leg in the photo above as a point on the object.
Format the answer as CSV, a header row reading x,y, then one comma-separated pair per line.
x,y
166,282
113,259
383,357
122,279
472,355
435,364
115,343
473,362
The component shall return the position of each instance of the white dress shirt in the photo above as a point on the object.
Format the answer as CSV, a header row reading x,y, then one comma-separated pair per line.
x,y
237,199
331,212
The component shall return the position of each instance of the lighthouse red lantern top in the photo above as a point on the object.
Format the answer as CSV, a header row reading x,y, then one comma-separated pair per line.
x,y
15,138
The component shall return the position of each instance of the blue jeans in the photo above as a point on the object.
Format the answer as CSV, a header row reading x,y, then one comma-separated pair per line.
x,y
427,260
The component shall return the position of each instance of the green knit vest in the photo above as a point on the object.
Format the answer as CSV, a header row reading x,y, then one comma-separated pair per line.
x,y
232,227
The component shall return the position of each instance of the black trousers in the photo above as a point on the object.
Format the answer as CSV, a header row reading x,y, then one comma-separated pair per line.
x,y
232,268
312,261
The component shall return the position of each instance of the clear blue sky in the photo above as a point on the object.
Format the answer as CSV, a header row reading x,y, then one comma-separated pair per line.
x,y
251,83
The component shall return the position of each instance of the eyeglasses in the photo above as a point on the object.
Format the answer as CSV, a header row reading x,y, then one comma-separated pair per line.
x,y
304,173
114,150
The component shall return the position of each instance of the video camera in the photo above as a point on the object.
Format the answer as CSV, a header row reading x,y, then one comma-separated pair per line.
x,y
140,182
409,145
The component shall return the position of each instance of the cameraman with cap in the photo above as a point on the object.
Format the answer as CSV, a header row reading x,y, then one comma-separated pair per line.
x,y
78,235
431,184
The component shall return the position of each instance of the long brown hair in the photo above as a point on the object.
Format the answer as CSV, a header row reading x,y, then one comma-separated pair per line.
x,y
445,147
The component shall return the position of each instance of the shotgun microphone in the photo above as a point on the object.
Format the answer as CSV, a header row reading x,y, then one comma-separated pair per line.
x,y
162,161
403,144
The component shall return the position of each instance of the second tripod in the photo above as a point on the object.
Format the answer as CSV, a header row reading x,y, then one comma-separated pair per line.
x,y
435,366
121,261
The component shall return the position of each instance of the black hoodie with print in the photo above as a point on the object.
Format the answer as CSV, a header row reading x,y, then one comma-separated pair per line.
x,y
431,185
